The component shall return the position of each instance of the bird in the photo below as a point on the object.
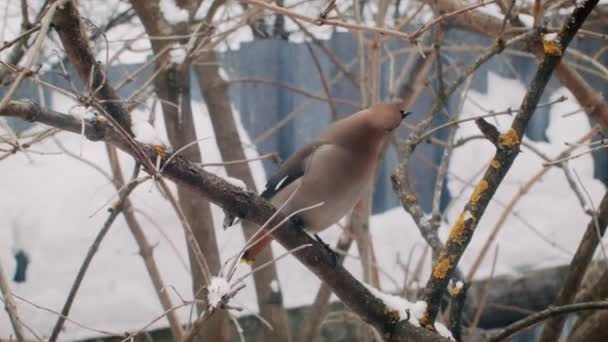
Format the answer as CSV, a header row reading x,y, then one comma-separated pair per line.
x,y
335,169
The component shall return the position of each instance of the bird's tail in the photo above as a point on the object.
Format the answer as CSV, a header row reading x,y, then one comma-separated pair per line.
x,y
255,249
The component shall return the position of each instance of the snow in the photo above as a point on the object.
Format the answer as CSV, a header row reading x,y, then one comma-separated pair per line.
x,y
172,13
408,311
412,312
274,286
177,54
443,331
549,37
236,182
217,289
146,133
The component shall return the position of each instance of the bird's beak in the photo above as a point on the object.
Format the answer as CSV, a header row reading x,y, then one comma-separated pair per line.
x,y
405,114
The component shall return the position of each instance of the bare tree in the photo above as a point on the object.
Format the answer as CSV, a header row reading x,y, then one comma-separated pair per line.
x,y
189,44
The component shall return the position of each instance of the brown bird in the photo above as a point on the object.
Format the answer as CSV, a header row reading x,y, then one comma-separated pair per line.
x,y
336,169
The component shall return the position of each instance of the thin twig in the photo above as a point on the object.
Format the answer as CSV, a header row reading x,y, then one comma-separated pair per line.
x,y
511,205
508,111
10,306
594,215
445,16
114,212
330,22
272,156
76,323
45,24
330,101
553,311
560,161
24,34
145,249
484,297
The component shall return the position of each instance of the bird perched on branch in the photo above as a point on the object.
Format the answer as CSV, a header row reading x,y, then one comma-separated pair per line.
x,y
335,169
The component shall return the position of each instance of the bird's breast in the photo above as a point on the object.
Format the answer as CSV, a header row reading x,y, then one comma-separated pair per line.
x,y
335,177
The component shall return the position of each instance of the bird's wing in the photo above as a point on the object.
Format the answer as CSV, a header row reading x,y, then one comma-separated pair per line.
x,y
292,169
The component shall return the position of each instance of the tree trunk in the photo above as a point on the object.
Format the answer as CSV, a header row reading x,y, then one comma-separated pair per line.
x,y
214,92
173,87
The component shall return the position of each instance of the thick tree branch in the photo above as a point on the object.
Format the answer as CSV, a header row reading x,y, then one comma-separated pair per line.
x,y
408,199
590,326
506,152
249,206
71,32
231,198
317,311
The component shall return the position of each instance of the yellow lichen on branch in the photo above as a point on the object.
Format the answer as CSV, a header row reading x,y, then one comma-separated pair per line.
x,y
509,138
495,164
410,198
551,45
457,232
483,186
440,270
160,150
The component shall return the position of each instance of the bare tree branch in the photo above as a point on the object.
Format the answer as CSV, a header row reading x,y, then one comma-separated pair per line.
x,y
115,210
69,27
251,207
584,253
554,311
317,311
486,24
10,307
145,249
506,152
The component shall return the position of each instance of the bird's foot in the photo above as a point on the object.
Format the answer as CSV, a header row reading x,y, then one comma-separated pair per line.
x,y
332,254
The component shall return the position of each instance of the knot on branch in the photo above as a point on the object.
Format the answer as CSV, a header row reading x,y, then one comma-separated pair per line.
x,y
488,130
509,139
506,141
499,44
33,115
